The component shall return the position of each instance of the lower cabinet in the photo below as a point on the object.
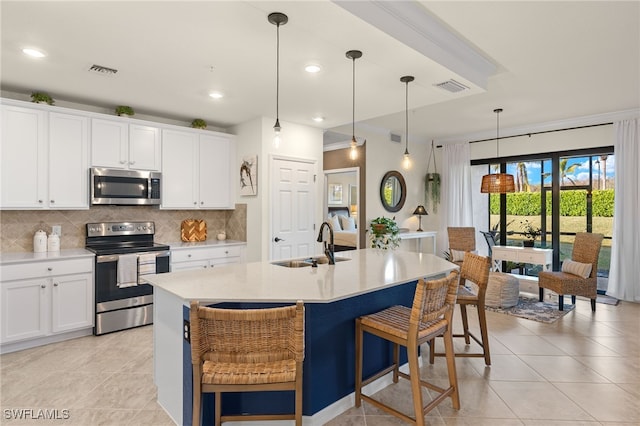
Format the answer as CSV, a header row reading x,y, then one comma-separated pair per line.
x,y
205,257
45,303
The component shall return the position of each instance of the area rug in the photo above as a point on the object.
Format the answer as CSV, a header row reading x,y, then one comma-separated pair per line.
x,y
534,310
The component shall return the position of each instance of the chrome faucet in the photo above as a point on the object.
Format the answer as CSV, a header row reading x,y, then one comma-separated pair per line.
x,y
328,249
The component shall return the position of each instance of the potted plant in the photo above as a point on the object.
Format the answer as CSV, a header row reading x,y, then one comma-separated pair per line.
x,y
199,123
384,233
124,110
530,232
41,98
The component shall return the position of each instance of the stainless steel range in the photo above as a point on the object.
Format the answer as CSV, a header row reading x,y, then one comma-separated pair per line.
x,y
125,252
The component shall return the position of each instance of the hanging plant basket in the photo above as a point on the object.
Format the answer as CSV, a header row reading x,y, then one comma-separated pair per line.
x,y
432,184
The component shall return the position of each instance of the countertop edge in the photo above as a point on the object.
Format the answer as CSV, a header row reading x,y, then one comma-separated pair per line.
x,y
26,257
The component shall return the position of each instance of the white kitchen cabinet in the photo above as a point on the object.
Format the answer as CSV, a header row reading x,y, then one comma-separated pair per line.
x,y
68,161
24,309
44,298
206,257
45,158
24,158
121,145
197,171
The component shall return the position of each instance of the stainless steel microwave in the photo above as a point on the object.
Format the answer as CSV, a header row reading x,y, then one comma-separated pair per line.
x,y
124,187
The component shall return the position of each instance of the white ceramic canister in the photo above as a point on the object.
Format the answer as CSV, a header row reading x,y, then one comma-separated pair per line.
x,y
222,236
40,242
53,243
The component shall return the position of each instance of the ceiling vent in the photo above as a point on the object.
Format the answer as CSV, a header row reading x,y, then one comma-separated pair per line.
x,y
451,86
99,69
395,138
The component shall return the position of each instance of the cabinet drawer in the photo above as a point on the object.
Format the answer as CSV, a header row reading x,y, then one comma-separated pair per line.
x,y
46,268
528,257
508,255
205,253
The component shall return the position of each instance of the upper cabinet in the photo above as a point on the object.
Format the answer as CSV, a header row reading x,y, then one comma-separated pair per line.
x,y
197,170
121,145
45,158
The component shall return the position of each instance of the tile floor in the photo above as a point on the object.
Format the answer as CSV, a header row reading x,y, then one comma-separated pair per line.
x,y
582,370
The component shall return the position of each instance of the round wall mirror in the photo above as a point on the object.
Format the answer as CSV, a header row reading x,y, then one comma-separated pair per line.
x,y
393,191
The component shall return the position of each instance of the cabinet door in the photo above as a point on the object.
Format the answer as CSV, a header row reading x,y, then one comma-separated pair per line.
x,y
144,147
24,309
179,170
23,153
72,302
68,161
109,144
195,264
216,160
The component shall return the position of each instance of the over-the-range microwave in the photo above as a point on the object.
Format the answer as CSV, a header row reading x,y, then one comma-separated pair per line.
x,y
124,187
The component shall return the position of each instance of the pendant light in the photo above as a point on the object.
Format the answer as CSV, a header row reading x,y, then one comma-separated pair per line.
x,y
497,183
406,161
353,152
277,19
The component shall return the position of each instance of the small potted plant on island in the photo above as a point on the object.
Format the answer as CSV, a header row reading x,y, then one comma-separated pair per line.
x,y
41,98
199,123
124,110
384,233
530,232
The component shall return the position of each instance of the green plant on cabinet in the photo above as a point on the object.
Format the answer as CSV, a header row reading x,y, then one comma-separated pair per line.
x,y
199,123
41,97
124,110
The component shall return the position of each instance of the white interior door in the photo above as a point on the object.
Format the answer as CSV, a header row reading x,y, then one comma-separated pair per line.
x,y
292,209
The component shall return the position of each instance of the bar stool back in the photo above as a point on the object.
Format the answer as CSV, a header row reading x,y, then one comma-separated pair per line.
x,y
246,350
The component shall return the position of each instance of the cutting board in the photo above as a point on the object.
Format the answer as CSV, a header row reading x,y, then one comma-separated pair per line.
x,y
193,230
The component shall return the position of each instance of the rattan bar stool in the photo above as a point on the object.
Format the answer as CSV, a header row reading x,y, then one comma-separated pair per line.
x,y
429,317
475,268
247,350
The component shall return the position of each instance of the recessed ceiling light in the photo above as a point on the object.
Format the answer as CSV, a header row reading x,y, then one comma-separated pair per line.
x,y
216,95
33,53
318,119
312,68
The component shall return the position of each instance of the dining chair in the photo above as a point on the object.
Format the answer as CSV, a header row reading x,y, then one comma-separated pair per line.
x,y
429,316
246,350
461,240
579,275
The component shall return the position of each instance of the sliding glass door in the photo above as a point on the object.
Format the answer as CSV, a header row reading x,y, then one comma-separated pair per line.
x,y
581,184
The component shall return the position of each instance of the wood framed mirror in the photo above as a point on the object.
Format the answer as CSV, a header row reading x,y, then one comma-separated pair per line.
x,y
393,191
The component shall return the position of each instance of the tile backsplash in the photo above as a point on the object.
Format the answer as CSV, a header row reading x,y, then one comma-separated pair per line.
x,y
17,227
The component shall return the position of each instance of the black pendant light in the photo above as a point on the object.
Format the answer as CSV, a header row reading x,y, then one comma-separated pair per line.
x,y
406,161
497,183
353,152
277,19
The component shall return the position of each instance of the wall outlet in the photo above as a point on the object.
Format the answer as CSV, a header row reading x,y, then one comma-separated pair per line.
x,y
57,229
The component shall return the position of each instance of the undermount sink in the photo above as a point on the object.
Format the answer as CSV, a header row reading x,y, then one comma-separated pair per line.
x,y
307,262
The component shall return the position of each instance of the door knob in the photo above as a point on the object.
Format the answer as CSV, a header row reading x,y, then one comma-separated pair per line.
x,y
277,240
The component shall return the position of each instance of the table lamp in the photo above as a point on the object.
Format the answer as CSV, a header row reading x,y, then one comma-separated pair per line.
x,y
420,211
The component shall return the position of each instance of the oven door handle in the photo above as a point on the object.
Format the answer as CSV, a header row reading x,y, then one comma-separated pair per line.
x,y
114,257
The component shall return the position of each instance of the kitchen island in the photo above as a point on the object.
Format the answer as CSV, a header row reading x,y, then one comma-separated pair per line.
x,y
361,282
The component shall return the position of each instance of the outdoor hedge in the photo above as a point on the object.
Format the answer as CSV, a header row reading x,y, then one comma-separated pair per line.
x,y
572,203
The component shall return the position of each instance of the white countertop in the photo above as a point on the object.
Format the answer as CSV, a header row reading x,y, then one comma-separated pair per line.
x,y
201,244
65,254
368,270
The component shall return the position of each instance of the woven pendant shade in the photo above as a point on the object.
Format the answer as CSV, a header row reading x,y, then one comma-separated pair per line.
x,y
498,183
